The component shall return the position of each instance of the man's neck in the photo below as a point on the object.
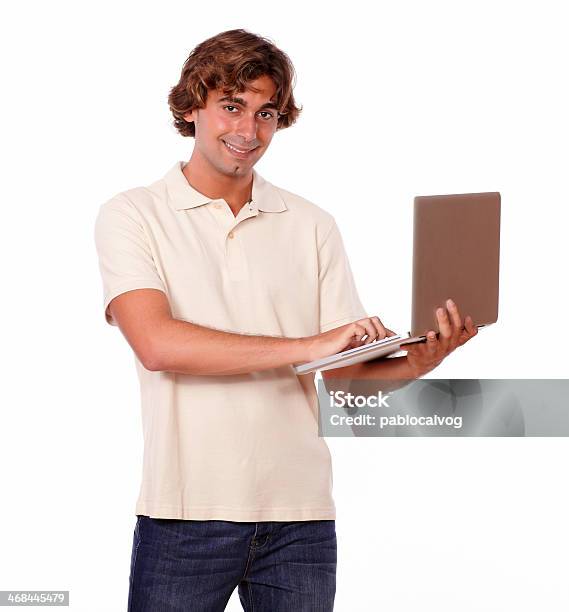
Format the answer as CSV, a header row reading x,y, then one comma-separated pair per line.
x,y
235,190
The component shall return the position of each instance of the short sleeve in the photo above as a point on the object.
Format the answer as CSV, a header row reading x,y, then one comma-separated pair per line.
x,y
125,257
339,300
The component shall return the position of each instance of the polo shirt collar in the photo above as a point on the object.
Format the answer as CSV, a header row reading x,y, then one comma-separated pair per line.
x,y
182,195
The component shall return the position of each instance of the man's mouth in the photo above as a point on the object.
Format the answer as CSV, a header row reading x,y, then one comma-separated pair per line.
x,y
238,151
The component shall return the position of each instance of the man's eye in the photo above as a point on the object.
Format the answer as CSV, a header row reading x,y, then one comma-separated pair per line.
x,y
270,115
229,106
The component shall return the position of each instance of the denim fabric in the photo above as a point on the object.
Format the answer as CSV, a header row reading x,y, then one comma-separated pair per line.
x,y
195,565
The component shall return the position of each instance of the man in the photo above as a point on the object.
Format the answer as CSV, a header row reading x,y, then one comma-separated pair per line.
x,y
220,281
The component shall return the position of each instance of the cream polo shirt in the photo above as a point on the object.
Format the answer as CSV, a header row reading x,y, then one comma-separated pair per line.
x,y
241,447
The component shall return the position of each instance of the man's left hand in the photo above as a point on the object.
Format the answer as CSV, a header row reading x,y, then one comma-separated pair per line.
x,y
424,357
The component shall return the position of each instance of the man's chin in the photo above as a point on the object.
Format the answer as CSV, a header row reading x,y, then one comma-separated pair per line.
x,y
239,170
240,167
236,167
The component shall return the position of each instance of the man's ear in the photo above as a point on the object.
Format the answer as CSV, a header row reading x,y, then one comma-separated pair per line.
x,y
191,116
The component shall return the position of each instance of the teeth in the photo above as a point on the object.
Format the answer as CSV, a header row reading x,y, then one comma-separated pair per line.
x,y
234,148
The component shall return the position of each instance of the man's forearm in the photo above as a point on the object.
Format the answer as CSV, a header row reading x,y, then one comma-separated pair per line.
x,y
187,348
387,374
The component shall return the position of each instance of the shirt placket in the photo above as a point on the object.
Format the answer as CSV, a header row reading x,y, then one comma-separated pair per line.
x,y
235,260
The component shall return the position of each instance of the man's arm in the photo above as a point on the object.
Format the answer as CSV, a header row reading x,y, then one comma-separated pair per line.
x,y
188,348
390,374
163,343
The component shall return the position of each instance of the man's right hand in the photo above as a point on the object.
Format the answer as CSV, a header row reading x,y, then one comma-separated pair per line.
x,y
345,337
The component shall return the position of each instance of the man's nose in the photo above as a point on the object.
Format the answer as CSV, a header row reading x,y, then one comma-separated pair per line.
x,y
247,127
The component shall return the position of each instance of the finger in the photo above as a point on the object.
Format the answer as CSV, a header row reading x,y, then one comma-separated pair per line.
x,y
371,330
432,342
456,326
470,330
444,324
469,326
365,328
456,321
390,332
356,332
380,328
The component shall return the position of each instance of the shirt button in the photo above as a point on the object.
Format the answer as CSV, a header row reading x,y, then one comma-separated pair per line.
x,y
218,206
230,235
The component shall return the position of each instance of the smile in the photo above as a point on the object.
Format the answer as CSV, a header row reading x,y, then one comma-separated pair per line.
x,y
238,152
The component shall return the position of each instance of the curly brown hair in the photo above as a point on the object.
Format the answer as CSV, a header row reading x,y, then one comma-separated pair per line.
x,y
229,61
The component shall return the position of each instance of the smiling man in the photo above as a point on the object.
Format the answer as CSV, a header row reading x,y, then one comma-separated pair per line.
x,y
220,281
228,146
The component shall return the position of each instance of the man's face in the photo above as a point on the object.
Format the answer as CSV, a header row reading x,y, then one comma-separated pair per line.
x,y
245,121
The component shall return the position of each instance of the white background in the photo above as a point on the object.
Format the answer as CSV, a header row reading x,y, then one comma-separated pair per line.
x,y
400,99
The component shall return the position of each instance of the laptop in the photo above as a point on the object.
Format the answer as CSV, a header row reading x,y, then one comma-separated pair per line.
x,y
456,254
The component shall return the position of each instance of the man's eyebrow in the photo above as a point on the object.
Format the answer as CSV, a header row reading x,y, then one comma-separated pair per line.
x,y
243,103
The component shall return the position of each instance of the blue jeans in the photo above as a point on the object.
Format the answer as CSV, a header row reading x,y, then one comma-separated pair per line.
x,y
194,566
